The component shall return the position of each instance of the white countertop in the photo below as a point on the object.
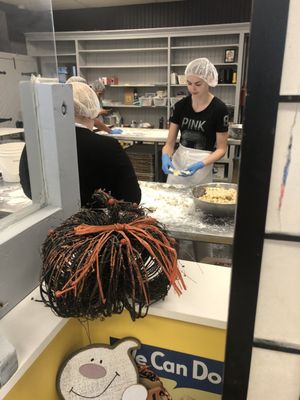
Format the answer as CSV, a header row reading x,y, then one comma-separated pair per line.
x,y
141,134
31,326
205,302
150,135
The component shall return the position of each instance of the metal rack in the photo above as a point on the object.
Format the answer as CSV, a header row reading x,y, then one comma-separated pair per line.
x,y
144,59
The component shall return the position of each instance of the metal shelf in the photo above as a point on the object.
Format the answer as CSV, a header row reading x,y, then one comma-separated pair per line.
x,y
66,54
129,85
208,46
146,56
125,66
124,50
52,55
131,106
216,64
219,84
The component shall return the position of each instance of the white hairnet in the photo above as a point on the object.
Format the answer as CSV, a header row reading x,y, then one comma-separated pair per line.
x,y
76,79
98,85
86,103
203,68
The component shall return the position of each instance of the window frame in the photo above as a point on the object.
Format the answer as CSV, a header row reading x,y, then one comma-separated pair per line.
x,y
48,114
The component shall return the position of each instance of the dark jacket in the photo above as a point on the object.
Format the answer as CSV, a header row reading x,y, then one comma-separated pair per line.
x,y
102,164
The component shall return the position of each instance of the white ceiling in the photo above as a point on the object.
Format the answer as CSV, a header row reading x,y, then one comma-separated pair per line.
x,y
75,4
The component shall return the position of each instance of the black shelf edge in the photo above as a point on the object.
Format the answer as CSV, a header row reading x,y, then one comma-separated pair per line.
x,y
276,346
282,236
289,99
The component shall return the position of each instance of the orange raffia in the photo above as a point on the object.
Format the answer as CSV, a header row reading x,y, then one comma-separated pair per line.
x,y
142,229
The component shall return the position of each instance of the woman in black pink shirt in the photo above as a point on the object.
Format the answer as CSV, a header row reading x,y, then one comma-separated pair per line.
x,y
202,120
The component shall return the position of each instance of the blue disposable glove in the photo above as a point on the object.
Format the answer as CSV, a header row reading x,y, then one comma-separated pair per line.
x,y
193,168
116,131
166,163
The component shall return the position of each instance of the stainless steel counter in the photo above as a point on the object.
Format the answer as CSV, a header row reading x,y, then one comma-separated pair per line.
x,y
173,206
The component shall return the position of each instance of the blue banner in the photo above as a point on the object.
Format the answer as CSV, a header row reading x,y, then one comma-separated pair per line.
x,y
187,370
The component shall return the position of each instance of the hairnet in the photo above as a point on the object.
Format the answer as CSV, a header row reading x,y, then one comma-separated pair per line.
x,y
86,103
76,79
98,85
203,68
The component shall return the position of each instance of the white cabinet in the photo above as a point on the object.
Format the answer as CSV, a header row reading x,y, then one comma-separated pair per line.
x,y
66,56
212,46
44,48
13,69
138,63
8,86
143,59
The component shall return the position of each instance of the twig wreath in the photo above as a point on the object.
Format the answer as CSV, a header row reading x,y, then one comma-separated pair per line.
x,y
106,258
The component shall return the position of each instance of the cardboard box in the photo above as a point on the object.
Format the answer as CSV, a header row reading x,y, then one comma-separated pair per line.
x,y
112,80
182,80
128,96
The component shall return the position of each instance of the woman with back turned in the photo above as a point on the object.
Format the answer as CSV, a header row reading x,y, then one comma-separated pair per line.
x,y
102,162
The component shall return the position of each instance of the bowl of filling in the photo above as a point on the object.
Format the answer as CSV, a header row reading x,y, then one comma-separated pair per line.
x,y
216,199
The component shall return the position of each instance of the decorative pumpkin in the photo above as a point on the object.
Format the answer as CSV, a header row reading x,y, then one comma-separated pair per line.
x,y
106,258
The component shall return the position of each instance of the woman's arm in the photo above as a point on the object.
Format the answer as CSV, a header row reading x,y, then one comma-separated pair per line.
x,y
104,111
101,126
171,140
221,148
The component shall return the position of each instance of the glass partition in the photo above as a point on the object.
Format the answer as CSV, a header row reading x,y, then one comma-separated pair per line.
x,y
25,25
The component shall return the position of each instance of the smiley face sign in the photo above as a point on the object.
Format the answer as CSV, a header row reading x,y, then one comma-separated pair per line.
x,y
101,372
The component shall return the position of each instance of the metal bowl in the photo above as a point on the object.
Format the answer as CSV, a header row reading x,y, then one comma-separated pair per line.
x,y
235,131
214,209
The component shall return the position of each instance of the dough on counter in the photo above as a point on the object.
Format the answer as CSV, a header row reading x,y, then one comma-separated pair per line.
x,y
179,172
219,195
152,209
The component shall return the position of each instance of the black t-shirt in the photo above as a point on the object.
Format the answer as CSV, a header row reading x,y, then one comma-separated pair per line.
x,y
198,129
102,164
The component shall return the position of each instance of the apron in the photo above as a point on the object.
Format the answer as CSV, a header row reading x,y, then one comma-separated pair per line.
x,y
182,158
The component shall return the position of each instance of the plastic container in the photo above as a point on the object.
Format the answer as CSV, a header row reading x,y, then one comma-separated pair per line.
x,y
173,100
182,79
146,101
161,93
10,154
173,78
160,101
